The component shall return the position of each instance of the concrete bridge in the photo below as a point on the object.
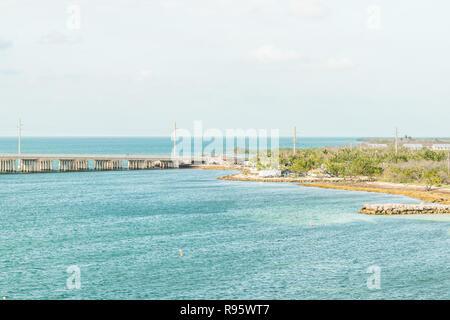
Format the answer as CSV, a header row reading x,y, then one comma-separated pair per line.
x,y
29,163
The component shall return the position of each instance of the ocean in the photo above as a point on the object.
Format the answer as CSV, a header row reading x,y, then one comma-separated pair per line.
x,y
183,234
139,145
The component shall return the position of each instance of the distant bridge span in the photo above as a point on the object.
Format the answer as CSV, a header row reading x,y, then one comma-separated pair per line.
x,y
29,162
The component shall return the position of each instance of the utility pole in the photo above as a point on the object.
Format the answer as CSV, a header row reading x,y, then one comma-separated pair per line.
x,y
19,127
295,140
396,141
448,162
175,139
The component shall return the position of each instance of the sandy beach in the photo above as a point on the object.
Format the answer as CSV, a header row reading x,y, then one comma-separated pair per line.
x,y
436,195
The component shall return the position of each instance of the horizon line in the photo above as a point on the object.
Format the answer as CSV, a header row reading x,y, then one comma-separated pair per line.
x,y
169,136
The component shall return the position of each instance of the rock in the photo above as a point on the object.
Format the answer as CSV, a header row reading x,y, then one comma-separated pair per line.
x,y
394,209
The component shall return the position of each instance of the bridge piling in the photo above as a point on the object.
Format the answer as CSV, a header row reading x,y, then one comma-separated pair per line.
x,y
8,165
29,163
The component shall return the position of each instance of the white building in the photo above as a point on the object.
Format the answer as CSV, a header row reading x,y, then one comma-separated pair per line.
x,y
254,171
377,145
442,147
413,146
269,173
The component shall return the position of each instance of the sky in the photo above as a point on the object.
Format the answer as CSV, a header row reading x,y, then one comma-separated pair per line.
x,y
133,67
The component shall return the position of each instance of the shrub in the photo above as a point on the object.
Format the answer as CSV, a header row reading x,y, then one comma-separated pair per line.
x,y
432,178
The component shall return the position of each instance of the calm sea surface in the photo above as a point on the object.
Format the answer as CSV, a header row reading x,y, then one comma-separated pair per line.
x,y
240,240
144,145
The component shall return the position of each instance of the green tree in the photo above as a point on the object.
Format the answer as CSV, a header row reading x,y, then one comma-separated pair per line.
x,y
432,178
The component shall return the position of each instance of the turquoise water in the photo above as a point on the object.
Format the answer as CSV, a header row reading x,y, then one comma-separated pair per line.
x,y
133,145
239,240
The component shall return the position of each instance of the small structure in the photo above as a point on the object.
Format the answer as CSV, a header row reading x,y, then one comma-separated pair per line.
x,y
441,147
413,146
319,173
271,173
214,160
377,145
250,164
234,159
197,161
254,171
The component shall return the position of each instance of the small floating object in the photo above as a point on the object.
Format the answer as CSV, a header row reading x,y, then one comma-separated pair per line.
x,y
181,253
4,298
310,223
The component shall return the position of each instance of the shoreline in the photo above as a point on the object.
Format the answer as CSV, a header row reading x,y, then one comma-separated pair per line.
x,y
436,196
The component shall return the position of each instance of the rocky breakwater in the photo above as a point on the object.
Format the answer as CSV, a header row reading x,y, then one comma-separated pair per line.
x,y
391,209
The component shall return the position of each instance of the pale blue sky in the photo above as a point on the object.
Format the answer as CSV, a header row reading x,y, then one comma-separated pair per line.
x,y
135,66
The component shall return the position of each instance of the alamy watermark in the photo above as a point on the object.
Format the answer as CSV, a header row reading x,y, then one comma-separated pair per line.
x,y
73,282
374,280
373,21
229,145
73,21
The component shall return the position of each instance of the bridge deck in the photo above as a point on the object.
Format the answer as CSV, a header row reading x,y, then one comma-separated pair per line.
x,y
30,156
40,162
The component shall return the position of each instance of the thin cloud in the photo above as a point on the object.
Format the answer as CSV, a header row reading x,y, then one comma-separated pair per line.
x,y
5,44
307,8
144,74
340,63
59,38
8,72
270,54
